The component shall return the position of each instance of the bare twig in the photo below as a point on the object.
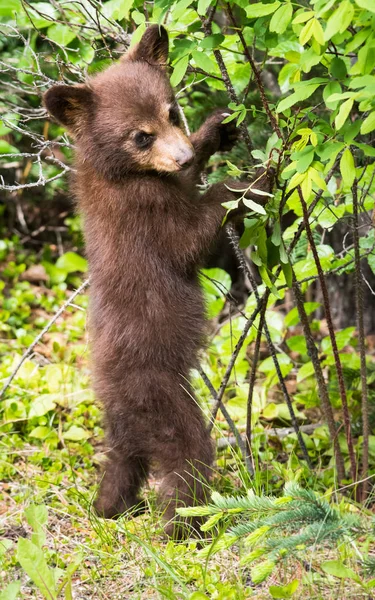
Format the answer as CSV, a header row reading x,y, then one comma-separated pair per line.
x,y
361,344
280,432
219,396
231,423
207,28
271,346
30,349
322,387
254,365
257,76
327,309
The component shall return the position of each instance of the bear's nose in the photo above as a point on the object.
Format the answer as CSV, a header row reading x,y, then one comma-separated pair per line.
x,y
185,157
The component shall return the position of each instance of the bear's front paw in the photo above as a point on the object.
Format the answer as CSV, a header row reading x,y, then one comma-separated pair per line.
x,y
227,132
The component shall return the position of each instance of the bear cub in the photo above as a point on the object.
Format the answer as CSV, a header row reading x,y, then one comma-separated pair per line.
x,y
147,230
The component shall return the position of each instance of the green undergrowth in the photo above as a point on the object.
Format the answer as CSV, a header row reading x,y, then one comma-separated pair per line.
x,y
286,532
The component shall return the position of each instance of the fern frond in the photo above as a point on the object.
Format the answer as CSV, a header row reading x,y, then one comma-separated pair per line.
x,y
369,566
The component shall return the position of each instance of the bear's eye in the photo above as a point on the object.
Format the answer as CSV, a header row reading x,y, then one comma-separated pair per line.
x,y
144,140
174,116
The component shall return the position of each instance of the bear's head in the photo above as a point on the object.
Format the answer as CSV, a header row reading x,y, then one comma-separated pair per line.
x,y
126,118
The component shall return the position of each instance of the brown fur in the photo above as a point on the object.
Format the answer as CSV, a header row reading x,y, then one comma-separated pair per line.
x,y
147,229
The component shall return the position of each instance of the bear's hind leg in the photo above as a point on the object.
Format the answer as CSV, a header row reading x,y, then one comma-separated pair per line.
x,y
120,485
186,462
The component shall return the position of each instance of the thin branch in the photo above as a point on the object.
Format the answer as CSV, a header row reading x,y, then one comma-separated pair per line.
x,y
322,387
361,344
254,364
313,204
219,396
271,347
257,76
327,309
207,28
280,432
30,349
231,423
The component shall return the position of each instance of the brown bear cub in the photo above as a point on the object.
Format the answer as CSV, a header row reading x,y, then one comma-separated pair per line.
x,y
147,229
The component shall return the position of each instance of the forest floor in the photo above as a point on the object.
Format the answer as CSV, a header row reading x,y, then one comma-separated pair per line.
x,y
51,445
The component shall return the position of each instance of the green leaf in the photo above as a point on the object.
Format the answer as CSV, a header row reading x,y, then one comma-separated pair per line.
x,y
366,149
117,9
267,280
71,262
37,517
42,405
276,234
329,216
6,148
338,569
318,32
368,124
253,11
301,94
194,511
281,18
304,158
211,522
212,41
306,32
347,168
32,560
180,9
76,434
61,34
284,591
337,68
340,19
366,4
40,433
257,208
305,371
203,61
343,114
297,343
333,87
292,318
39,15
343,338
303,16
203,6
216,284
8,8
179,70
5,545
138,17
11,592
11,118
255,258
249,234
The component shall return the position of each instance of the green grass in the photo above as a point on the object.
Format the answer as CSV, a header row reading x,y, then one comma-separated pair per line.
x,y
51,445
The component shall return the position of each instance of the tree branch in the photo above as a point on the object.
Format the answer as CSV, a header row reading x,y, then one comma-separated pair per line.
x,y
361,344
327,309
322,387
231,423
258,79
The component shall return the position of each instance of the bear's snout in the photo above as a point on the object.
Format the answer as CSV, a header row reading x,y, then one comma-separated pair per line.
x,y
184,157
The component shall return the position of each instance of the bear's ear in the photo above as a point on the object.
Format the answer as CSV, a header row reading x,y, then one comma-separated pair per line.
x,y
152,48
68,104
